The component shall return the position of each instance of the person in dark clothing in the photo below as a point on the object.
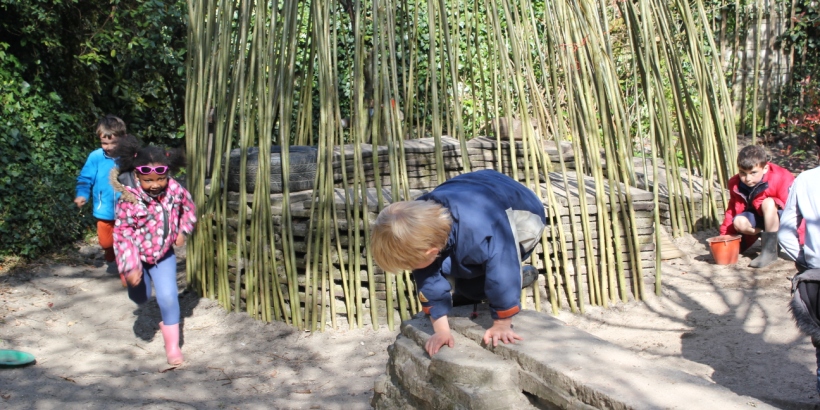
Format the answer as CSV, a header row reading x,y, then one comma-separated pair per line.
x,y
475,230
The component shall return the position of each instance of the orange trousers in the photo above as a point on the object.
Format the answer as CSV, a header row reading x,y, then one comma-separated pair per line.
x,y
105,234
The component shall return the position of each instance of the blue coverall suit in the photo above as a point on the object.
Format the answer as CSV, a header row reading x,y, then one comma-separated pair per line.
x,y
497,222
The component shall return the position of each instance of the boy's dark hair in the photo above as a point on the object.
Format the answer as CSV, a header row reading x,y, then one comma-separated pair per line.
x,y
132,154
752,156
110,126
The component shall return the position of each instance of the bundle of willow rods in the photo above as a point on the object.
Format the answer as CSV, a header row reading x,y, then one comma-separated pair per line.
x,y
609,81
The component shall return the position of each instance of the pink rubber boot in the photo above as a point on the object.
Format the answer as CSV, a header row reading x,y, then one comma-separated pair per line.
x,y
171,336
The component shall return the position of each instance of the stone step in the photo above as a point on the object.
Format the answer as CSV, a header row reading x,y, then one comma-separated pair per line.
x,y
554,366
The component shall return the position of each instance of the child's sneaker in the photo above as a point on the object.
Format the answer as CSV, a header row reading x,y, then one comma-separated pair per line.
x,y
528,275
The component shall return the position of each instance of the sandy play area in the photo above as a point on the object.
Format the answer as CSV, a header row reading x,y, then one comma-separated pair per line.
x,y
95,349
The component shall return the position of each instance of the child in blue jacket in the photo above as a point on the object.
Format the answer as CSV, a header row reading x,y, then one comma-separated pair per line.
x,y
475,229
93,182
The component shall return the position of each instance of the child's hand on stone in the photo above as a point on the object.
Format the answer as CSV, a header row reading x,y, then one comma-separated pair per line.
x,y
501,330
437,340
441,336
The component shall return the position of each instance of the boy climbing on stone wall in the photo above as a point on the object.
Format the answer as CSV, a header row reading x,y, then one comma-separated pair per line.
x,y
475,230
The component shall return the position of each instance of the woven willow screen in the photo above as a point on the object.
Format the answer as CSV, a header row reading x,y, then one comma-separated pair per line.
x,y
613,112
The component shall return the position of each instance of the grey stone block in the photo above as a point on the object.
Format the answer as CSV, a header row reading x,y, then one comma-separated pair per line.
x,y
554,366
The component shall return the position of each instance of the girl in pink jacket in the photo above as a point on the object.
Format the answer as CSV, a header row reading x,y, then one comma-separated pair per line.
x,y
153,214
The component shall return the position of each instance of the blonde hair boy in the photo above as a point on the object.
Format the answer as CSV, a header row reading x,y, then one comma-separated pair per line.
x,y
405,232
465,241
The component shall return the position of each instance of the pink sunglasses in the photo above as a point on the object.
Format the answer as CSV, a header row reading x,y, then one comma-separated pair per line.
x,y
145,169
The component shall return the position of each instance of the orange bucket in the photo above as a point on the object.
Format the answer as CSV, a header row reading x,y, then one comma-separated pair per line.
x,y
725,249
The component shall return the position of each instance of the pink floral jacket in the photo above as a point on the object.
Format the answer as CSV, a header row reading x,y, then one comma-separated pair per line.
x,y
146,228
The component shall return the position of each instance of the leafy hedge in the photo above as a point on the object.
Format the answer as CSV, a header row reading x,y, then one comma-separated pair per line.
x,y
801,97
42,148
121,57
63,64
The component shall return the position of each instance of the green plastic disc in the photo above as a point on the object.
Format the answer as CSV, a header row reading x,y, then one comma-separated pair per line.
x,y
15,358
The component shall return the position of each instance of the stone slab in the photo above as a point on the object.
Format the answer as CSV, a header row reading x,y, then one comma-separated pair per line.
x,y
555,366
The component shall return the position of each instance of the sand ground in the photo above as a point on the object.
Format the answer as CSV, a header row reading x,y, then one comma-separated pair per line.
x,y
95,349
727,323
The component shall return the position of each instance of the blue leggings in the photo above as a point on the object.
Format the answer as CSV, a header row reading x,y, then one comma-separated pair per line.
x,y
164,277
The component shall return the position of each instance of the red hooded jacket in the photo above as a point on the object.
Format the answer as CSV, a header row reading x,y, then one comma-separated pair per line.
x,y
775,184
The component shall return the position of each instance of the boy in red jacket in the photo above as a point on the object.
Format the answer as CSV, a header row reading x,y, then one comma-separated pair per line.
x,y
757,196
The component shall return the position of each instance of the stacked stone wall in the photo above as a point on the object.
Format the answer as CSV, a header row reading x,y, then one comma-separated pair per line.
x,y
482,153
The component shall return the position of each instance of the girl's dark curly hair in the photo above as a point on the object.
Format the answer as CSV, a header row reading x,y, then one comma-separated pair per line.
x,y
131,154
127,145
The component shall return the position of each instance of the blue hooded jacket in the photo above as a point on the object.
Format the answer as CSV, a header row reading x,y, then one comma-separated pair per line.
x,y
497,222
94,179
